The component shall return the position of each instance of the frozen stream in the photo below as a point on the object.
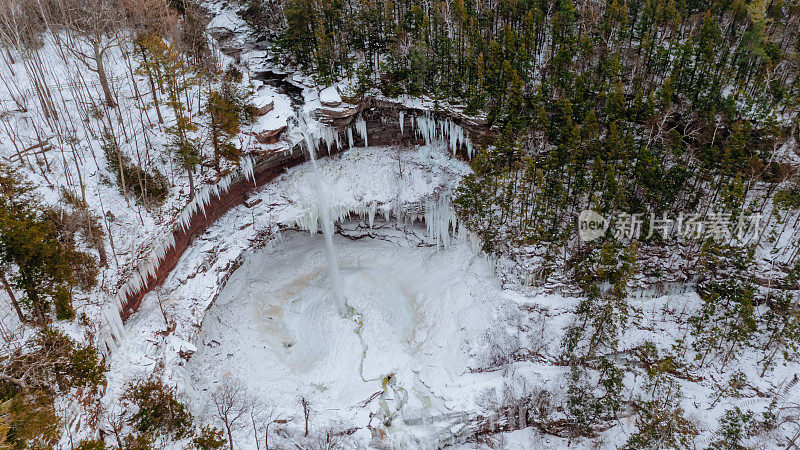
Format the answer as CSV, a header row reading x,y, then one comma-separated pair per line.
x,y
276,327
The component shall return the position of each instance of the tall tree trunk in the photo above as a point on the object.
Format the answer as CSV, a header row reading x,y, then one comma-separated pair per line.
x,y
101,73
191,183
13,298
152,85
230,435
37,306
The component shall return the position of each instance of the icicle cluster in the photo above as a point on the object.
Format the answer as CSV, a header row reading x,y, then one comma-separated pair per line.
x,y
112,331
438,214
330,136
361,127
218,189
447,131
426,127
311,221
441,220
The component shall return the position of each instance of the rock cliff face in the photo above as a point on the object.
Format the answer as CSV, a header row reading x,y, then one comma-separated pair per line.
x,y
382,120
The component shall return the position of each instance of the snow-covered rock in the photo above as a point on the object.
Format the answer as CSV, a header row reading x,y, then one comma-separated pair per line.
x,y
330,96
263,104
225,21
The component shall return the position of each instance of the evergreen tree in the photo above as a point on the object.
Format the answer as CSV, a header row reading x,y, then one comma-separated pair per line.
x,y
179,78
227,113
40,263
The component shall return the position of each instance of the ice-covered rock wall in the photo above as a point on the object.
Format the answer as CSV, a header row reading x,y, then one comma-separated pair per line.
x,y
432,130
426,128
437,213
112,331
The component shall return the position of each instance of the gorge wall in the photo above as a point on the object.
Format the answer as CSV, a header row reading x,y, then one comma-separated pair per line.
x,y
378,120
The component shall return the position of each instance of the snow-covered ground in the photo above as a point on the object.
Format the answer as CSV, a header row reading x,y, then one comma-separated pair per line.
x,y
435,297
400,355
434,340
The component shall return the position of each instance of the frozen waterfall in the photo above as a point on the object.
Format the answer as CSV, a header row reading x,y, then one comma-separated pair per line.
x,y
327,226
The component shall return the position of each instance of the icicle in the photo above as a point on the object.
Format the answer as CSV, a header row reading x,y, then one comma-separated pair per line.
x,y
350,137
401,120
246,165
112,332
327,135
453,138
426,129
440,217
372,209
361,127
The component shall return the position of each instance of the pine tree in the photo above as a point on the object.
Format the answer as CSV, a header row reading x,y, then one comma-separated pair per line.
x,y
179,78
32,252
227,113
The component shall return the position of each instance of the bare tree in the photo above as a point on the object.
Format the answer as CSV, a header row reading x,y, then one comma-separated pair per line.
x,y
115,419
262,415
20,30
95,26
232,402
306,411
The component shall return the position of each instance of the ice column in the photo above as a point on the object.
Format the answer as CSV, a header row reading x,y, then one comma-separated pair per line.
x,y
440,219
401,119
327,225
361,127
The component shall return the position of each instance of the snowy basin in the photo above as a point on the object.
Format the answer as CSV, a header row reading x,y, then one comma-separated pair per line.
x,y
404,346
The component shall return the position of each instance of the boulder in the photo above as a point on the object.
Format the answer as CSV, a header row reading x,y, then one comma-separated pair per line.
x,y
330,97
263,105
269,136
329,115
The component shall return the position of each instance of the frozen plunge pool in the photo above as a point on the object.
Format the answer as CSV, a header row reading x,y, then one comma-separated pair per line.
x,y
417,315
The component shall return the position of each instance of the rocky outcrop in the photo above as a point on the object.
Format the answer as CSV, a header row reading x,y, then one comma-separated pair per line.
x,y
394,123
266,168
263,105
269,136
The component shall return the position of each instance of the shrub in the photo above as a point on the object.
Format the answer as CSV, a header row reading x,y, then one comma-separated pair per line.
x,y
53,361
149,187
91,445
138,442
159,410
47,265
736,427
660,420
593,400
209,438
31,421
